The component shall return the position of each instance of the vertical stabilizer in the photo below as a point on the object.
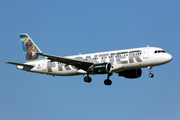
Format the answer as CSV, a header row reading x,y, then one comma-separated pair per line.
x,y
30,48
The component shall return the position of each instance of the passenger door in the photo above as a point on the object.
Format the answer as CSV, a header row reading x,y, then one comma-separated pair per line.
x,y
146,50
44,65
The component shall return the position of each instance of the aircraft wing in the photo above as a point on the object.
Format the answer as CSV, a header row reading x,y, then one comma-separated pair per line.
x,y
26,65
78,63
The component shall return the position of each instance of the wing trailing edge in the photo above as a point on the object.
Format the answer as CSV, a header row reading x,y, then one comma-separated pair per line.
x,y
69,61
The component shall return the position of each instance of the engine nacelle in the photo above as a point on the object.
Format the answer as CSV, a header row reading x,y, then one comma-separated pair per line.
x,y
101,68
133,73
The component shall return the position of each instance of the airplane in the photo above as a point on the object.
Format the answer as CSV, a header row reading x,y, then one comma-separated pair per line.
x,y
126,63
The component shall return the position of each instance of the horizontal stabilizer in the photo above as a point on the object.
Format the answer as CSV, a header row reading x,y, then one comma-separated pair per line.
x,y
13,63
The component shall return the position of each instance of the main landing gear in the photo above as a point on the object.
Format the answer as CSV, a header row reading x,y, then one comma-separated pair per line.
x,y
150,70
106,82
87,79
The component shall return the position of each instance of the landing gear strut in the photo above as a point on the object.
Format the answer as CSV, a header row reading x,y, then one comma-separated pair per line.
x,y
150,70
108,81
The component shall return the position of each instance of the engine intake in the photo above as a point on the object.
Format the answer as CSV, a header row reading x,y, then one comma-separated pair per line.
x,y
101,68
133,73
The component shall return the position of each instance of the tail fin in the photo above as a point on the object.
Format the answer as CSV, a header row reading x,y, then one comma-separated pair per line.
x,y
30,48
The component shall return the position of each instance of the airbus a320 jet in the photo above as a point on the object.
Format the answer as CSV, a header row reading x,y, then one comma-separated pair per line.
x,y
126,63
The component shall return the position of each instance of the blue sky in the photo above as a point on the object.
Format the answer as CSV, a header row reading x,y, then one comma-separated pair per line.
x,y
71,27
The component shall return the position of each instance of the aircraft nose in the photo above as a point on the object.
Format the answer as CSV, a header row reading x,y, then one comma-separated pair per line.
x,y
169,57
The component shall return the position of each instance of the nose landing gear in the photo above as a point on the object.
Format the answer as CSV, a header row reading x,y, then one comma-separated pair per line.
x,y
150,70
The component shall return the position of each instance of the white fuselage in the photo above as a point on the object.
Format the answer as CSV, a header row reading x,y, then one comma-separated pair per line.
x,y
120,60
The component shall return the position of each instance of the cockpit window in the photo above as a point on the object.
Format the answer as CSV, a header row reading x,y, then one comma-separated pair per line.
x,y
159,51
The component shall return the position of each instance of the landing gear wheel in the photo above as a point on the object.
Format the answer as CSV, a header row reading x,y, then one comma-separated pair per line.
x,y
107,82
87,79
150,70
151,75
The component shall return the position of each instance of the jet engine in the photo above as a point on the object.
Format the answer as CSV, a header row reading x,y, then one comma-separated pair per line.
x,y
101,68
133,73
